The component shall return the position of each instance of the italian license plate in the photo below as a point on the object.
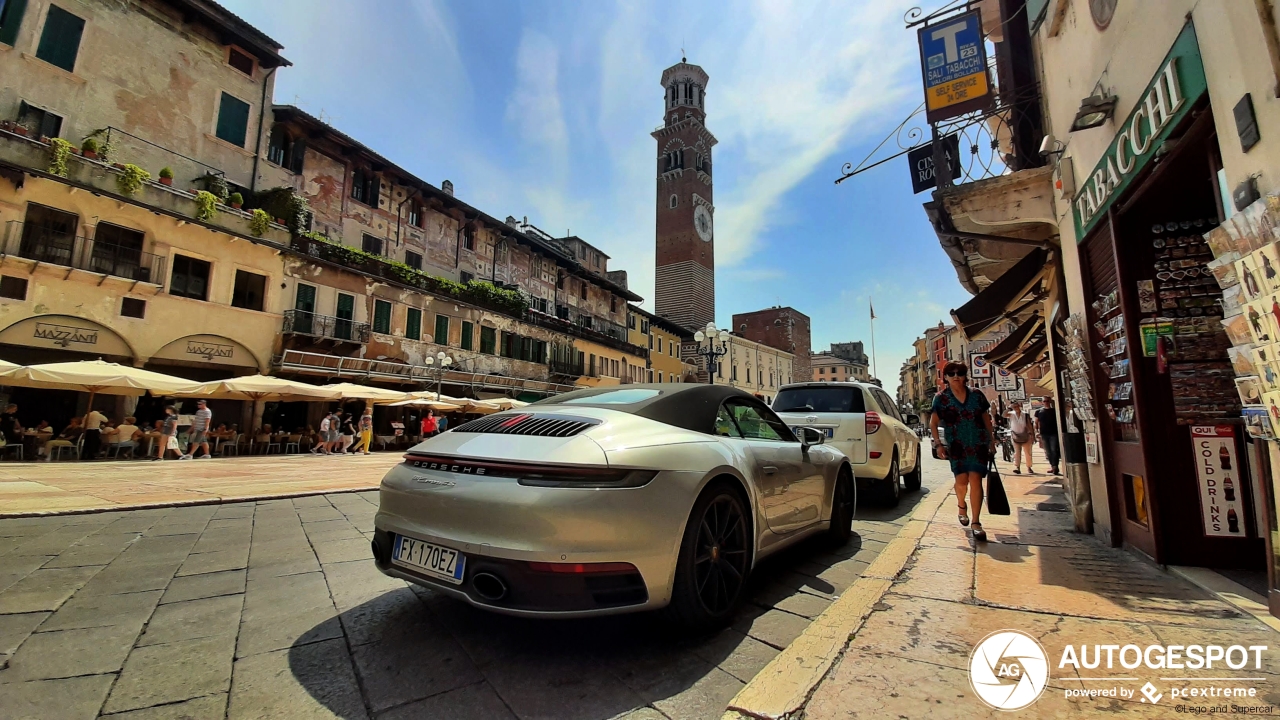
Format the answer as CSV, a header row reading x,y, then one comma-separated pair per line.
x,y
829,432
432,559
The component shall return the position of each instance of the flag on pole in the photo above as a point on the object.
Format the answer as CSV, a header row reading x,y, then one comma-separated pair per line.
x,y
873,309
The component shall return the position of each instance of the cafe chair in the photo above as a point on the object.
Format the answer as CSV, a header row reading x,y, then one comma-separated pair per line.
x,y
295,442
55,452
231,446
16,447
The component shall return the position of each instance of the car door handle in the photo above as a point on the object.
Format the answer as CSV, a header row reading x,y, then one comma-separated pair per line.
x,y
769,469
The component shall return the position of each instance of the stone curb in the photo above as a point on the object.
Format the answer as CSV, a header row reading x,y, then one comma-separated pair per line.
x,y
784,685
183,503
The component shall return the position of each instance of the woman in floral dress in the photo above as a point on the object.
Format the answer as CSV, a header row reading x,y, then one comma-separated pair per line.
x,y
965,416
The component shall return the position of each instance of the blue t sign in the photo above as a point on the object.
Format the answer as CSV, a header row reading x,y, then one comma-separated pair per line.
x,y
953,60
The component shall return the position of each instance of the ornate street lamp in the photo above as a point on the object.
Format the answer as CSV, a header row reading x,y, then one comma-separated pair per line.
x,y
712,351
445,362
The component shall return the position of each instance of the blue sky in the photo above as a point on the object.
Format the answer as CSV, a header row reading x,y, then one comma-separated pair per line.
x,y
544,109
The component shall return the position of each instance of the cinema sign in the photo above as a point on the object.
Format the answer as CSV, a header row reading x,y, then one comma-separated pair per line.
x,y
1169,98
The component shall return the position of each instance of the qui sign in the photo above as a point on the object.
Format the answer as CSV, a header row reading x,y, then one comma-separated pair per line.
x,y
1221,488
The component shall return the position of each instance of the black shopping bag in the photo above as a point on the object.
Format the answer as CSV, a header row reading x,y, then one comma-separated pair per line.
x,y
997,501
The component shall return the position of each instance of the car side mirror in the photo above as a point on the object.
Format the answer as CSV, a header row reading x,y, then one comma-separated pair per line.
x,y
810,437
913,419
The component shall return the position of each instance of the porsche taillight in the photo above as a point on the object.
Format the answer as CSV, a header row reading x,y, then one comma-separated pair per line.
x,y
873,422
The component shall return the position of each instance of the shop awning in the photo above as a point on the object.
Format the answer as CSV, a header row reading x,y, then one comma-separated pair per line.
x,y
1033,353
1006,294
1011,345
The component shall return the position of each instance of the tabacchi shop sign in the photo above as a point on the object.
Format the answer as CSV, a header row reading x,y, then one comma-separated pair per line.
x,y
1168,98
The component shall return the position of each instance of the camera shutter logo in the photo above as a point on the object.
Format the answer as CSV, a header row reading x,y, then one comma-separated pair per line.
x,y
1008,670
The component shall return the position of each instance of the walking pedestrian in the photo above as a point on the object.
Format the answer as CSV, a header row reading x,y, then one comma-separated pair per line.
x,y
1021,430
322,437
430,425
168,439
366,432
964,415
198,435
1047,426
93,421
442,423
348,434
334,438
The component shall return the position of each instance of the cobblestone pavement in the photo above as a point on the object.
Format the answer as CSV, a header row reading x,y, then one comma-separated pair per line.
x,y
39,488
274,609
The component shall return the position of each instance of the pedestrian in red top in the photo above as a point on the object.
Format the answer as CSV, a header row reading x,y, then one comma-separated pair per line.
x,y
430,424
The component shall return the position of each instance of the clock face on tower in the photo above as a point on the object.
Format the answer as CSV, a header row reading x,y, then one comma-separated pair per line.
x,y
702,222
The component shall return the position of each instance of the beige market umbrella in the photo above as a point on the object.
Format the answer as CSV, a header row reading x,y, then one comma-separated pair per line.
x,y
506,403
353,391
4,365
93,377
423,402
264,388
481,407
261,389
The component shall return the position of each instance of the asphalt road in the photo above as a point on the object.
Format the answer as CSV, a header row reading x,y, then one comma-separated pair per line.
x,y
274,609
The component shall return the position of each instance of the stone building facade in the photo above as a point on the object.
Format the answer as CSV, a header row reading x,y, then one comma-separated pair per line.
x,y
783,328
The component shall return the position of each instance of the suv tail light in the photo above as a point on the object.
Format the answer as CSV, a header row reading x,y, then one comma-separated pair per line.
x,y
873,422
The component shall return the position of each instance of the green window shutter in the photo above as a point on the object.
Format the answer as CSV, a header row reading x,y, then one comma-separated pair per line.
x,y
233,120
413,324
442,330
60,41
306,300
506,344
488,340
382,317
11,20
466,335
346,306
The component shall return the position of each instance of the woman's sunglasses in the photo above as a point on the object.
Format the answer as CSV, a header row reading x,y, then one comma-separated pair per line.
x,y
954,373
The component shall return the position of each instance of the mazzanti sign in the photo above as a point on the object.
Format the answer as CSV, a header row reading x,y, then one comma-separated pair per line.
x,y
1169,97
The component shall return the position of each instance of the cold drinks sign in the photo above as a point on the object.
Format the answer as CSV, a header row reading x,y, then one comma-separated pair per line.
x,y
954,62
1218,473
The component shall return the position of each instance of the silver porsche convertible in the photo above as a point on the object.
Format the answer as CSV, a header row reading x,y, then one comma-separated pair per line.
x,y
611,500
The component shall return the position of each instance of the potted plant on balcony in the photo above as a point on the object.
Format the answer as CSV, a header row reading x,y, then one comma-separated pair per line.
x,y
89,148
236,200
166,176
59,151
260,223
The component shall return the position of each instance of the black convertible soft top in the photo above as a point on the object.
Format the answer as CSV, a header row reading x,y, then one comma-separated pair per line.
x,y
684,405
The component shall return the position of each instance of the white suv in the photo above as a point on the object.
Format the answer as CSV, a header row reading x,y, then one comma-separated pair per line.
x,y
862,421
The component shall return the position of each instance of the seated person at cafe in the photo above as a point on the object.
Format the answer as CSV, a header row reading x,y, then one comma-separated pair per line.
x,y
43,427
128,435
67,438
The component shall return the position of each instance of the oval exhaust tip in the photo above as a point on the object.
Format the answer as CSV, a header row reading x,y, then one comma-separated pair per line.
x,y
489,586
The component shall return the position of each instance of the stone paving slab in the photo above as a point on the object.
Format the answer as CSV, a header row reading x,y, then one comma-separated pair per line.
x,y
273,608
41,487
910,657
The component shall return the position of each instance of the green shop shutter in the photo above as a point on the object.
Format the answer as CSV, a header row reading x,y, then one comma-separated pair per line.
x,y
413,324
233,120
11,12
382,317
60,41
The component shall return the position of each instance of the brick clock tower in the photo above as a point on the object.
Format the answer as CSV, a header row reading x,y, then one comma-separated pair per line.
x,y
685,281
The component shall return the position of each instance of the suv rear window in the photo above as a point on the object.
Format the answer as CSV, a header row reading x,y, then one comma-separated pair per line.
x,y
820,400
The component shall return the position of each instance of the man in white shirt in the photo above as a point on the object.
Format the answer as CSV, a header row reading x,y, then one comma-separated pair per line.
x,y
322,443
198,434
93,434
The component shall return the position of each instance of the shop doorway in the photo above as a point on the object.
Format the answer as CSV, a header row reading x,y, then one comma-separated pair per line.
x,y
1179,476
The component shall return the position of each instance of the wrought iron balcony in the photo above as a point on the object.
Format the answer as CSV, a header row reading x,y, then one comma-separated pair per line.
x,y
58,247
572,368
302,322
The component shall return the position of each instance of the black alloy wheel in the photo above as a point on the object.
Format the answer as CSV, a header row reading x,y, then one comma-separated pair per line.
x,y
715,559
891,486
842,509
720,560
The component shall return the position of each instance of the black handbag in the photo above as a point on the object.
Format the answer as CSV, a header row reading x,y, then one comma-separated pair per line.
x,y
997,501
